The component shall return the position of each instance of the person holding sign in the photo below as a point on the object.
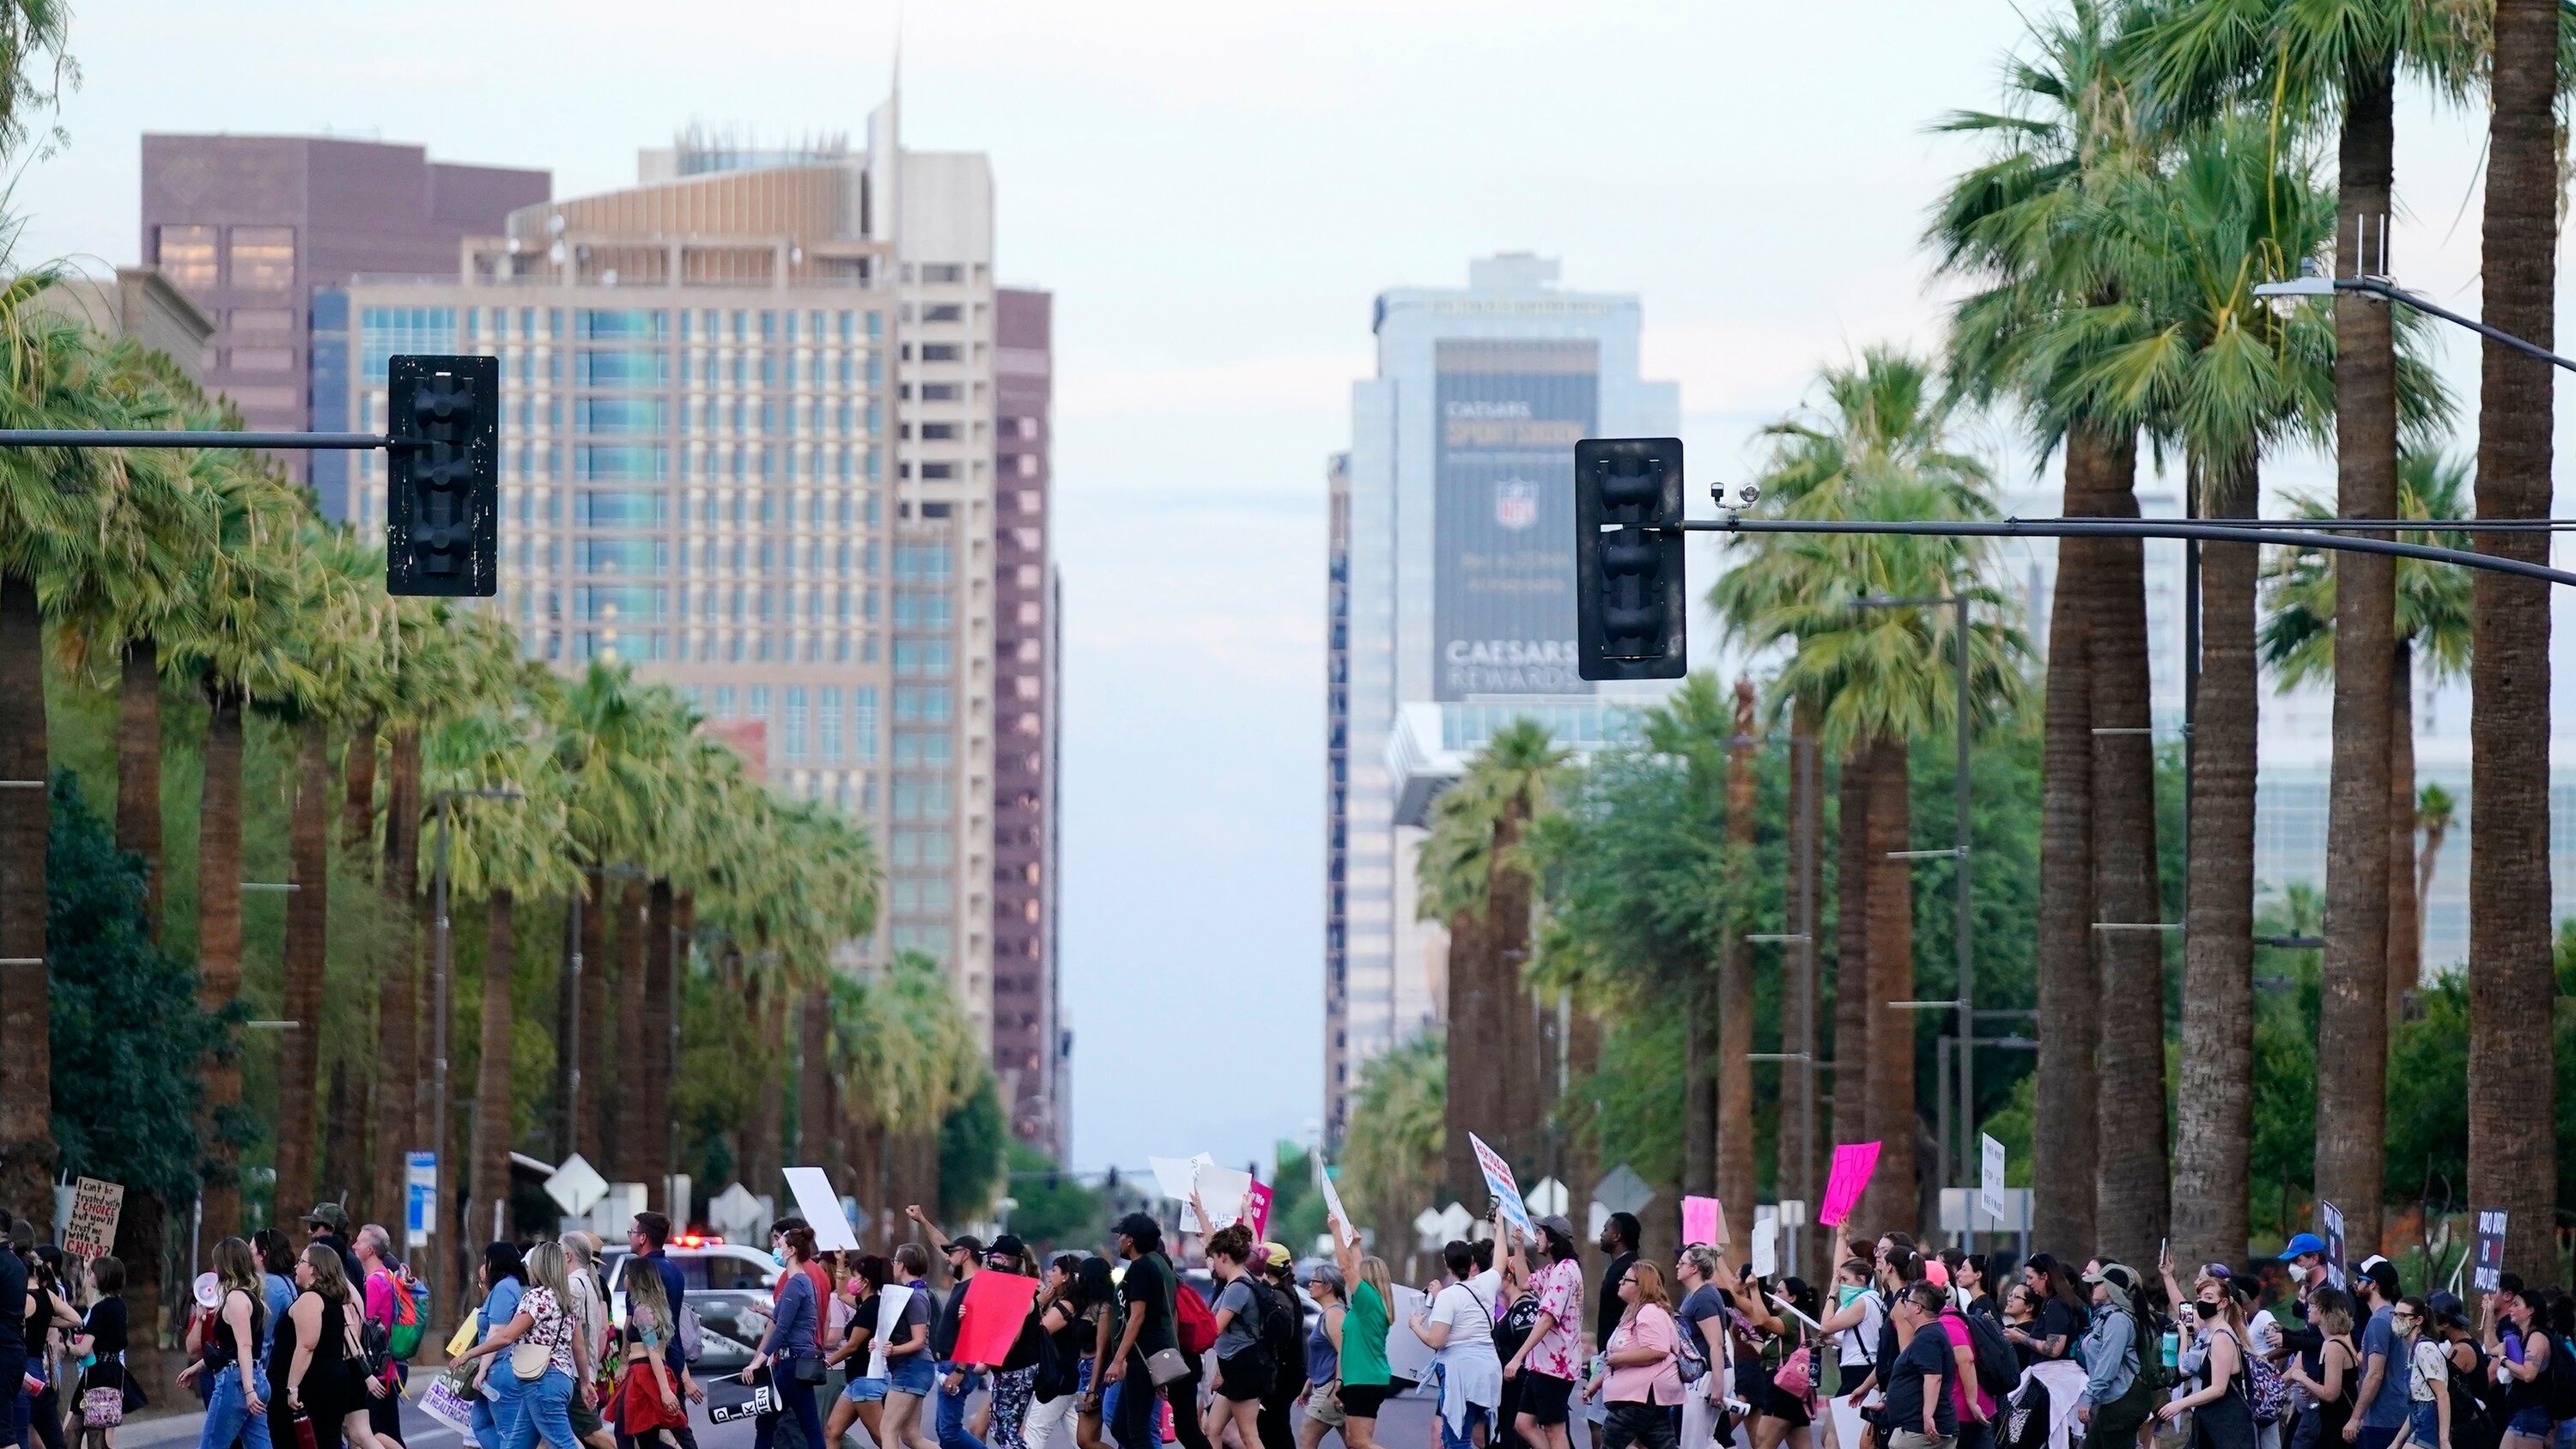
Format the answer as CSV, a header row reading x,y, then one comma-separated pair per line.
x,y
862,1399
1364,1328
1243,1366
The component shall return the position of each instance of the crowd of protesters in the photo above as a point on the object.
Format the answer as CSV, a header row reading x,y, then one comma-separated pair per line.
x,y
301,1346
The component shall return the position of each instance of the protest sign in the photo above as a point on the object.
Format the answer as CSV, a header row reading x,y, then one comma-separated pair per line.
x,y
1258,1201
1704,1221
2330,1225
997,1304
1333,1199
90,1232
891,1301
1990,1187
1498,1181
1766,1248
1853,1163
821,1209
1407,1356
2488,1275
1222,1189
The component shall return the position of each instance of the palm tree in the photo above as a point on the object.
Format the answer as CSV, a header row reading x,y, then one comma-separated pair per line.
x,y
51,504
1392,1150
239,643
1878,677
2014,226
1474,876
2194,356
2432,625
2513,1160
2303,61
2435,810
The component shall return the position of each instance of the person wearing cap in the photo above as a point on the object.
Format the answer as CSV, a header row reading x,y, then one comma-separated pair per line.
x,y
1145,1296
2111,1354
957,1382
329,1223
1283,1328
1012,1388
2383,1367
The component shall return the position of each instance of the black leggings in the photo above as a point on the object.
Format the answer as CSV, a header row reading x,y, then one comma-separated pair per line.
x,y
798,1399
48,1420
1184,1394
1647,1424
1137,1425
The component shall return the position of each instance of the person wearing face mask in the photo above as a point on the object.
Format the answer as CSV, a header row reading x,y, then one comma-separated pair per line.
x,y
2221,1416
2115,1401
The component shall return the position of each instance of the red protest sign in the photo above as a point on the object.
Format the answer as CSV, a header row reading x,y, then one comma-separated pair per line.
x,y
1256,1204
996,1305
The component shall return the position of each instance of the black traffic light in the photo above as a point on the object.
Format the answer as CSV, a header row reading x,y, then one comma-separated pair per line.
x,y
1630,605
443,500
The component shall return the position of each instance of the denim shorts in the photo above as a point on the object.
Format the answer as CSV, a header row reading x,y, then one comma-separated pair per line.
x,y
912,1374
862,1390
2531,1421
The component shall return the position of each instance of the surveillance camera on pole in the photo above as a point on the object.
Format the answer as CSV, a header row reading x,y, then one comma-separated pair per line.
x,y
1630,595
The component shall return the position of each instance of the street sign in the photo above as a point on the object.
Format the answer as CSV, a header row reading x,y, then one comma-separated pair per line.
x,y
734,1212
1426,1225
1623,1191
576,1186
1548,1198
1455,1220
420,1197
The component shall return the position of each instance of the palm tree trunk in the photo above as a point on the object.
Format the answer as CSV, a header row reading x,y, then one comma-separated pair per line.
x,y
26,1068
308,914
402,1116
633,1135
765,1151
596,970
661,1054
2513,1095
2063,1125
1700,1035
358,810
2405,909
1530,1096
492,1124
2214,1139
1798,1160
2352,1014
1735,999
138,769
1474,1078
219,947
1851,952
2131,1190
1891,1202
346,1172
814,1078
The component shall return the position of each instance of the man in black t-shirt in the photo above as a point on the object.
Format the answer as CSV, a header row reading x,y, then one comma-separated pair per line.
x,y
1145,1298
1918,1413
1620,1235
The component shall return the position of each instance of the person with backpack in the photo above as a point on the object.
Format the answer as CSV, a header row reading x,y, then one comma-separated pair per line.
x,y
1458,1323
2116,1397
2464,1366
1147,1348
1283,1328
393,1324
1973,1400
1243,1366
1701,1319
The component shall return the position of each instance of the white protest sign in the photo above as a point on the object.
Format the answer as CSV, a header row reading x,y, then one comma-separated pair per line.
x,y
1174,1177
1407,1356
1991,1188
1498,1181
821,1209
1333,1198
1766,1248
90,1231
1222,1189
891,1300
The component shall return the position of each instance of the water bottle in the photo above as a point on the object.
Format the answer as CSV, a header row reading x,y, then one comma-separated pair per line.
x,y
2172,1345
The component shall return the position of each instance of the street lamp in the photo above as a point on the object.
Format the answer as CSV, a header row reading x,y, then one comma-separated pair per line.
x,y
439,1199
2312,283
1965,1004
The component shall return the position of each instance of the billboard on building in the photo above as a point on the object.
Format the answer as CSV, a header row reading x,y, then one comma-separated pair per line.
x,y
1509,414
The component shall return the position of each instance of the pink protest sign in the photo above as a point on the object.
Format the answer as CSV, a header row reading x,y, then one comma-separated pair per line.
x,y
1256,1203
1704,1221
1853,1163
996,1305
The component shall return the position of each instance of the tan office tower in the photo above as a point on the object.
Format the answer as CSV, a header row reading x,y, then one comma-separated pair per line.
x,y
747,443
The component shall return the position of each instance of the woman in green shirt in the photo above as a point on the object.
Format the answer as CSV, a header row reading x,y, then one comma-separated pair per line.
x,y
1364,1327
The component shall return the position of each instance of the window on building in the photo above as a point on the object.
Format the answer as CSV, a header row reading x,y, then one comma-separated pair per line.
x,y
863,724
260,320
188,256
944,312
793,735
827,722
921,609
262,359
938,432
385,331
925,563
941,352
263,258
916,704
922,658
943,272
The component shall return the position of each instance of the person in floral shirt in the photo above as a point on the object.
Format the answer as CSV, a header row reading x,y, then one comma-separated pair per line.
x,y
1551,1359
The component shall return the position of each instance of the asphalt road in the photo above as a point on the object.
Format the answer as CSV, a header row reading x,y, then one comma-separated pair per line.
x,y
1405,1424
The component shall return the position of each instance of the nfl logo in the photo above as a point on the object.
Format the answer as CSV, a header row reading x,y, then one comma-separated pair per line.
x,y
1515,504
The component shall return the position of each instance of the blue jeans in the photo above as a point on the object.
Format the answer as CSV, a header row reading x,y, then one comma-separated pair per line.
x,y
1135,1419
228,1415
952,1407
496,1409
544,1411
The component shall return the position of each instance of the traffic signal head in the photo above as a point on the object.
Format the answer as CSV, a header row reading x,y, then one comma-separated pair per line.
x,y
443,499
1629,601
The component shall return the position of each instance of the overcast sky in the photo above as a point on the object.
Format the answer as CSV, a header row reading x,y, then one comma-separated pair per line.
x,y
1215,193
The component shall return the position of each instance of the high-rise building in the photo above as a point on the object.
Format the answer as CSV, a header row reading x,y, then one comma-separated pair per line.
x,y
250,226
1455,582
1032,1045
748,445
